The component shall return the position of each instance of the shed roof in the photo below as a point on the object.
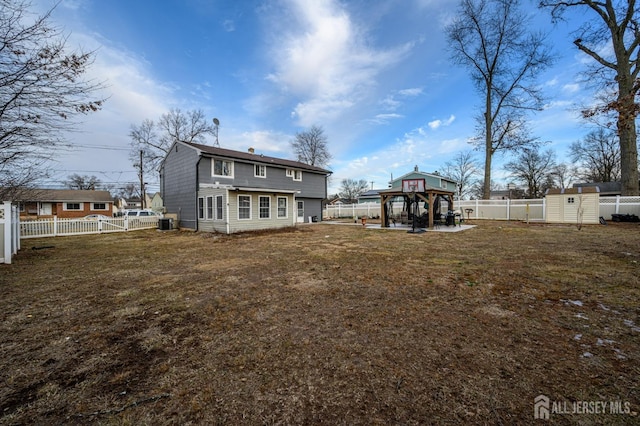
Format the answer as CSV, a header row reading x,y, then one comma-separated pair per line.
x,y
579,190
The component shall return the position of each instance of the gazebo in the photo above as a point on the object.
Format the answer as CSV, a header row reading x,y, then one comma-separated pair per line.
x,y
415,188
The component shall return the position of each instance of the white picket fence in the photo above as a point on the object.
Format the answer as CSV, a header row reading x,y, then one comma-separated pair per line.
x,y
491,209
9,231
55,227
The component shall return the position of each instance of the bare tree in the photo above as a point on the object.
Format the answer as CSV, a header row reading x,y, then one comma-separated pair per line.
x,y
311,147
533,169
155,139
42,88
597,156
350,189
76,181
464,170
614,71
563,175
491,38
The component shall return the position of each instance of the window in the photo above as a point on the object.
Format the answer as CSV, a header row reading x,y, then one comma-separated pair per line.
x,y
219,214
210,207
99,206
73,206
200,207
244,207
289,173
260,170
570,200
222,168
265,207
297,175
282,207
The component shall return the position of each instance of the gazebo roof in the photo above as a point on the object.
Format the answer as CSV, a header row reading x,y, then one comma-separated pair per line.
x,y
427,189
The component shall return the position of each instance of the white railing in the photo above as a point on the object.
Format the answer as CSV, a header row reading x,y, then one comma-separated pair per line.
x,y
57,227
9,231
491,209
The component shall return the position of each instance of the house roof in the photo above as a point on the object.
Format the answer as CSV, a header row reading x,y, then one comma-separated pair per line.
x,y
579,190
68,195
614,188
371,193
255,158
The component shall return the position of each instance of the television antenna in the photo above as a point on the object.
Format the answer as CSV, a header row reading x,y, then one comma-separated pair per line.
x,y
216,123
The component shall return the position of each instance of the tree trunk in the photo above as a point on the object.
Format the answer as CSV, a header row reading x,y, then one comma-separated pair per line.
x,y
627,132
488,144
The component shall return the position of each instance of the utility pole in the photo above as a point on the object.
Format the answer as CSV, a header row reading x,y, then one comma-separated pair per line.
x,y
142,194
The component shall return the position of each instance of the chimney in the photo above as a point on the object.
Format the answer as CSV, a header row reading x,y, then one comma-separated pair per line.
x,y
252,151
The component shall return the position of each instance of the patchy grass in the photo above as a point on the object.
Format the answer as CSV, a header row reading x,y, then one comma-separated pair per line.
x,y
321,324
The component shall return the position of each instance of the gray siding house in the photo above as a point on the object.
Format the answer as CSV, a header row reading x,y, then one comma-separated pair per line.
x,y
221,190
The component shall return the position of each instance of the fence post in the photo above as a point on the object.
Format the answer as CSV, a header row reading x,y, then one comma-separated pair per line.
x,y
126,223
8,252
477,204
55,226
617,204
508,208
544,209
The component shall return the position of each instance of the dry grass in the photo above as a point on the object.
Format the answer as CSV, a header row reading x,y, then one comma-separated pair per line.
x,y
321,324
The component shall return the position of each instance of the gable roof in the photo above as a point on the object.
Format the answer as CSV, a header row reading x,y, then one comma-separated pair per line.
x,y
254,158
68,195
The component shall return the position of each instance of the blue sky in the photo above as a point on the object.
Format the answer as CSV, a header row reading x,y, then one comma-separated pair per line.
x,y
375,75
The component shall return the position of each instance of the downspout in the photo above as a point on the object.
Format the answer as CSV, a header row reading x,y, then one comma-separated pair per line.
x,y
227,216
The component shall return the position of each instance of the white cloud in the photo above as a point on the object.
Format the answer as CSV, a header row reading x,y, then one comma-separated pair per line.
x,y
435,124
571,88
322,58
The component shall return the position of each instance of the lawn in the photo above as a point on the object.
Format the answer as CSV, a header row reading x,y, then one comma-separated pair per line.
x,y
328,324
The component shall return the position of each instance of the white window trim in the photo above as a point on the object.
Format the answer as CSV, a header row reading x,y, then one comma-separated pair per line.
x,y
106,207
250,207
295,172
219,217
289,173
213,168
261,167
286,207
201,212
64,207
209,207
260,207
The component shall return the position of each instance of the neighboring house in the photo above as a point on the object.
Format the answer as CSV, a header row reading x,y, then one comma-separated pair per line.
x,y
432,180
156,204
65,203
371,196
607,189
221,190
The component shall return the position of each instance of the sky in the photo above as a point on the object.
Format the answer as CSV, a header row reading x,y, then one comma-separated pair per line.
x,y
375,75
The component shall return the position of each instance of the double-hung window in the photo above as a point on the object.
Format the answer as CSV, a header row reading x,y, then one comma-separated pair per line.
x,y
209,207
244,207
260,170
282,207
265,207
200,207
73,206
223,168
219,211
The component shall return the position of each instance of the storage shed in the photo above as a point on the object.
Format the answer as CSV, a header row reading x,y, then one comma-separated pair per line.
x,y
573,205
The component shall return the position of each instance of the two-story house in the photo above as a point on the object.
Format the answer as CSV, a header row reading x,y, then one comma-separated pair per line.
x,y
221,190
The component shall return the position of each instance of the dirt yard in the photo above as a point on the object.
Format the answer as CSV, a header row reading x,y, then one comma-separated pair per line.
x,y
327,324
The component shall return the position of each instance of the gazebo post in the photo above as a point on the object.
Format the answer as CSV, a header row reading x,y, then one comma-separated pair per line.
x,y
430,210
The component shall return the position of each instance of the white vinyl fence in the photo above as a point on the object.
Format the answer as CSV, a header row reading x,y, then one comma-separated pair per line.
x,y
533,210
55,227
9,231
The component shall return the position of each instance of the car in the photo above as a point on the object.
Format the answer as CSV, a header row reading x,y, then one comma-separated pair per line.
x,y
96,217
140,213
